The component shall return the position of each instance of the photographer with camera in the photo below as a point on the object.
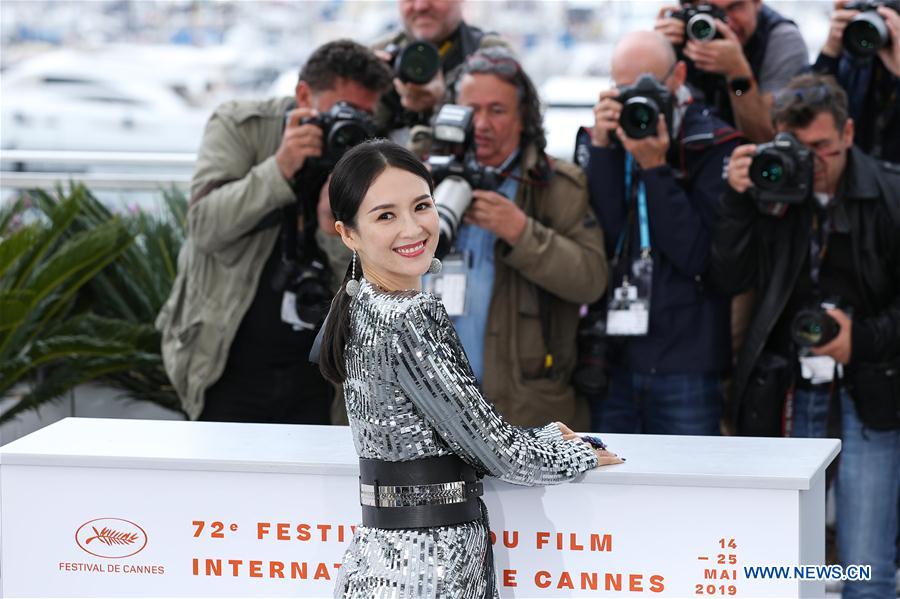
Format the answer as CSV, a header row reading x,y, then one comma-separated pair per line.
x,y
813,224
426,57
522,249
252,283
739,52
654,164
863,53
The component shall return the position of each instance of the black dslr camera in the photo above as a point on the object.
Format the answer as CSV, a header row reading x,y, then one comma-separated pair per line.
x,y
307,279
642,103
343,127
700,20
417,62
867,33
782,171
456,170
814,327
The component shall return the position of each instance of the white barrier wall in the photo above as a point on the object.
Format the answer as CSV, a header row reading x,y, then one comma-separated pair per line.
x,y
115,508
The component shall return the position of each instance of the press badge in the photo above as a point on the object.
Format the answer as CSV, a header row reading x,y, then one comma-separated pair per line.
x,y
450,285
628,312
819,369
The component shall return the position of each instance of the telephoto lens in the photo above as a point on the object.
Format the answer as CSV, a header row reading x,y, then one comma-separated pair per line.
x,y
418,63
813,328
452,198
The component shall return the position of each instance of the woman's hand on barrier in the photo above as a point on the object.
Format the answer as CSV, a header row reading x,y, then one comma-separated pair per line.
x,y
567,433
607,458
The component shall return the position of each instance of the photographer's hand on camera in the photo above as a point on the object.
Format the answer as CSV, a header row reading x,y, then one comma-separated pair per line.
x,y
840,17
669,26
839,348
421,98
649,152
495,213
890,55
299,142
724,56
738,173
606,117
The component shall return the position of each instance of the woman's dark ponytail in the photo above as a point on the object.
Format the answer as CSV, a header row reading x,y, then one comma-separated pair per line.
x,y
352,177
337,330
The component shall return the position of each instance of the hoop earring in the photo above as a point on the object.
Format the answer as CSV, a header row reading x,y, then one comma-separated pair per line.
x,y
435,267
352,286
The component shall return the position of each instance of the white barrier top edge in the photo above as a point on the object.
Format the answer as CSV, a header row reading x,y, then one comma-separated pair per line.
x,y
746,462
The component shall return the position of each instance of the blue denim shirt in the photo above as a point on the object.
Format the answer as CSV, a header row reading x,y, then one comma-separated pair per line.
x,y
478,244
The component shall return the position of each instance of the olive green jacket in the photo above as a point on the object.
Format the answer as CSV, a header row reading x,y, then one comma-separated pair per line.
x,y
236,184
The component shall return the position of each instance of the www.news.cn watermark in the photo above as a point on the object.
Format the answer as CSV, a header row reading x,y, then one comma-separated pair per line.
x,y
851,573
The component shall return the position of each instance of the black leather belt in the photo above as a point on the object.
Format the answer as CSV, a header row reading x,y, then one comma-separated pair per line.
x,y
424,493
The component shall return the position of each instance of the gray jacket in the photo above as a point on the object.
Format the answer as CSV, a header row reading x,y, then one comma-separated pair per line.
x,y
236,184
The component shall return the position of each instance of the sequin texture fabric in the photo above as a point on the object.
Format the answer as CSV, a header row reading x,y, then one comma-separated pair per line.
x,y
411,394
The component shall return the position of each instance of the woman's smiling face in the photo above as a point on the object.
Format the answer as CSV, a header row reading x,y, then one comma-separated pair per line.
x,y
396,231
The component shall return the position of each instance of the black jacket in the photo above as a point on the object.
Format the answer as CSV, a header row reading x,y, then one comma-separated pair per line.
x,y
766,253
873,93
689,321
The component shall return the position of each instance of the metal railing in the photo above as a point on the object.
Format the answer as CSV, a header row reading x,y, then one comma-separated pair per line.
x,y
27,169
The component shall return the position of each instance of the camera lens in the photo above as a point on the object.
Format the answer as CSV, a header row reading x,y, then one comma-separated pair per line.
x,y
452,198
418,63
813,328
771,170
343,136
701,28
639,117
313,294
866,34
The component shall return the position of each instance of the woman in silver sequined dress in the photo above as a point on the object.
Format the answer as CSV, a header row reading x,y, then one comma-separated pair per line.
x,y
412,399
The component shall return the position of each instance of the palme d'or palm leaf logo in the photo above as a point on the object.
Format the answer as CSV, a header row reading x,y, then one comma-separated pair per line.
x,y
112,537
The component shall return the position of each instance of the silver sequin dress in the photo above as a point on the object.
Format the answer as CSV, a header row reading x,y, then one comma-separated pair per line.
x,y
411,394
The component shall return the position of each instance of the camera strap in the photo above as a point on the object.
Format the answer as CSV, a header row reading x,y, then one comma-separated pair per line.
x,y
628,310
818,245
637,199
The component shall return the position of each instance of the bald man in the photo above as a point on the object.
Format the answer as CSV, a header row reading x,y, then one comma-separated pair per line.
x,y
656,199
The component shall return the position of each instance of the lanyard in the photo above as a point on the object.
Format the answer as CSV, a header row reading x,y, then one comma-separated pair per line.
x,y
643,219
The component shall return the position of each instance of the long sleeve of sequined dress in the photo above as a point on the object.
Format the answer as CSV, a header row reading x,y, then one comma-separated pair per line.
x,y
411,394
434,373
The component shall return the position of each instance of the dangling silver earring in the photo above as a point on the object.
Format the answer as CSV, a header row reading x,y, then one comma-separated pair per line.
x,y
435,267
352,286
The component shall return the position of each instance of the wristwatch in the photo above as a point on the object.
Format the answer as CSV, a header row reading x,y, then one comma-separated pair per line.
x,y
740,85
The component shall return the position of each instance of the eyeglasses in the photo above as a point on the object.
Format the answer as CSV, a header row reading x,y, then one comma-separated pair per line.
x,y
503,66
